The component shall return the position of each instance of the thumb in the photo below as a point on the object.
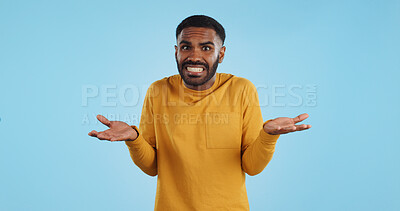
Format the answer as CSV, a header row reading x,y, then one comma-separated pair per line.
x,y
300,118
104,120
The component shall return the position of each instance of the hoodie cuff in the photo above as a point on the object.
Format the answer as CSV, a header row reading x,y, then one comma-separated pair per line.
x,y
137,140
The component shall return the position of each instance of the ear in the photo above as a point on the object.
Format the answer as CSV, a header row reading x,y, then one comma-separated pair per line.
x,y
176,51
221,54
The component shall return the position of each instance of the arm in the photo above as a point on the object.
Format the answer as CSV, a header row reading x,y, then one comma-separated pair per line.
x,y
143,154
258,140
141,144
143,150
259,153
258,146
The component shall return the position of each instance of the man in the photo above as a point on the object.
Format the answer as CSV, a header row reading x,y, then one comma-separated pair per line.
x,y
201,131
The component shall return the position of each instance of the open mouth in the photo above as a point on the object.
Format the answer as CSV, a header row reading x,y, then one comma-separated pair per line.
x,y
195,69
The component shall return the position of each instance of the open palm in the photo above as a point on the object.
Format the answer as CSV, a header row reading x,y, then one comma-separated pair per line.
x,y
119,131
282,125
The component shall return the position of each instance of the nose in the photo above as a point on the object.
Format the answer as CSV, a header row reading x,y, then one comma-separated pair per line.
x,y
195,55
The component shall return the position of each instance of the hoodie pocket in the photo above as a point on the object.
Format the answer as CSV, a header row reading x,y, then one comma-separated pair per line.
x,y
223,131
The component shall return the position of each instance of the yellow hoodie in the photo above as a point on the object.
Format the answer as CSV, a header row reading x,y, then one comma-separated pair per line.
x,y
201,143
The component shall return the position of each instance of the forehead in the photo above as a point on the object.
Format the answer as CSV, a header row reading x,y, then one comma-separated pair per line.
x,y
199,33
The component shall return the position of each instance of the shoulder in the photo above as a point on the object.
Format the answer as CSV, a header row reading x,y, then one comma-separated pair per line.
x,y
165,83
237,82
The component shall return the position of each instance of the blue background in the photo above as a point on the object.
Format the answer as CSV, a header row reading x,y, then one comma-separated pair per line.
x,y
51,51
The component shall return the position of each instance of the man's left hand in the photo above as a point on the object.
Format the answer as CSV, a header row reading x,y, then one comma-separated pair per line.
x,y
282,125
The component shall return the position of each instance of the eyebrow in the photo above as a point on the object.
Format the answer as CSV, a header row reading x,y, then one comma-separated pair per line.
x,y
203,43
185,42
207,43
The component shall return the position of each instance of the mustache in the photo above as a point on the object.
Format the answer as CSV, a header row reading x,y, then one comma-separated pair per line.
x,y
195,63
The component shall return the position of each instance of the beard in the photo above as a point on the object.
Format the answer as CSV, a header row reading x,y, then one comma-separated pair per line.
x,y
195,80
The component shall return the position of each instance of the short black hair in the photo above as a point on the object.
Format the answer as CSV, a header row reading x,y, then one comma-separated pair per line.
x,y
202,21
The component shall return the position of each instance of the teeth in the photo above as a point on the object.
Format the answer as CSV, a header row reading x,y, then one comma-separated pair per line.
x,y
194,69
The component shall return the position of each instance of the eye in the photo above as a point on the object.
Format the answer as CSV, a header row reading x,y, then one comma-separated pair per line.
x,y
206,48
185,47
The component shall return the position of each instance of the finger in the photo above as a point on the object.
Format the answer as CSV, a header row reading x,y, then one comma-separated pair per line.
x,y
284,130
300,118
289,129
103,136
114,139
118,138
93,133
103,120
302,127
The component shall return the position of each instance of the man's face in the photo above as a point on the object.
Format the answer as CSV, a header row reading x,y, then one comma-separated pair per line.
x,y
197,55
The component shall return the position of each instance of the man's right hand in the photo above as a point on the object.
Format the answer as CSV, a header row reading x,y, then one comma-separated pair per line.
x,y
119,131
